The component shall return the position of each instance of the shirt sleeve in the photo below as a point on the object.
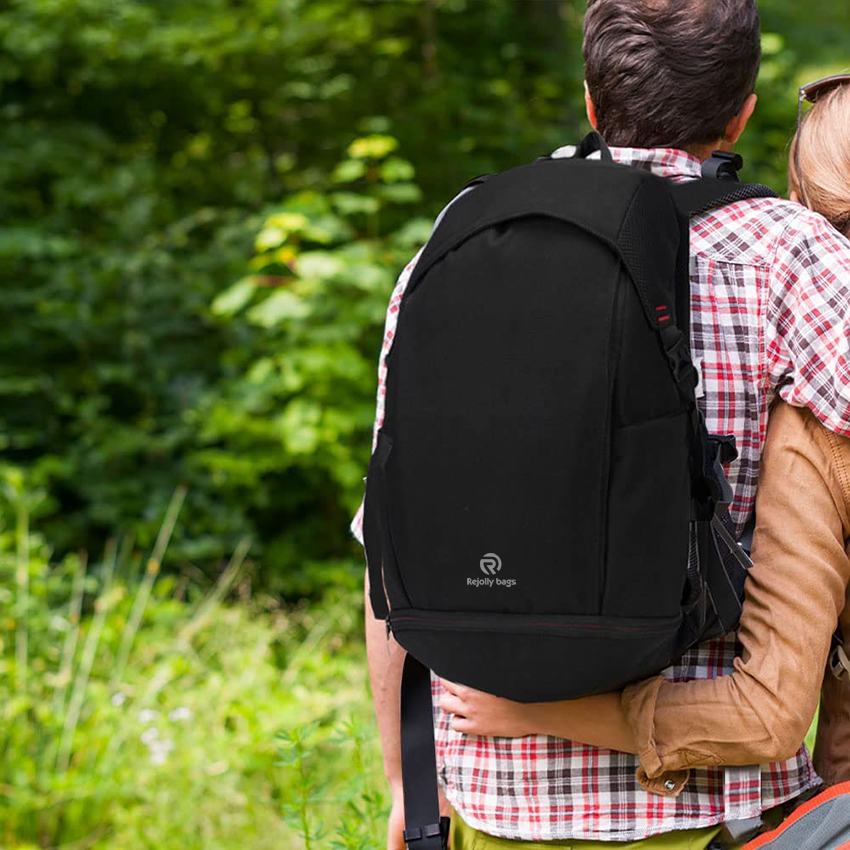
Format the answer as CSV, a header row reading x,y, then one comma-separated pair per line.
x,y
389,334
808,320
794,595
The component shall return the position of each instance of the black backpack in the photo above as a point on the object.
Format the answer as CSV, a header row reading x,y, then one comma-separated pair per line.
x,y
544,495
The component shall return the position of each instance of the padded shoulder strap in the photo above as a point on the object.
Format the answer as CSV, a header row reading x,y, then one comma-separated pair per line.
x,y
700,196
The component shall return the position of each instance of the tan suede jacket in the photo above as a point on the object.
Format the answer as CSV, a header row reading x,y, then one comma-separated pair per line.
x,y
795,594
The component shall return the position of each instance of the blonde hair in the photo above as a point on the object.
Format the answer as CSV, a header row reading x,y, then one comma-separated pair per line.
x,y
820,158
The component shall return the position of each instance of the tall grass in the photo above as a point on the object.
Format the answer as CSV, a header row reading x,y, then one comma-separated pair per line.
x,y
151,711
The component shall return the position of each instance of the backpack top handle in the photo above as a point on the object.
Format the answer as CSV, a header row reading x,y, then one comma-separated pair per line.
x,y
723,165
592,143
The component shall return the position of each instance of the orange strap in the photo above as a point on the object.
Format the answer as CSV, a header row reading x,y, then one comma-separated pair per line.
x,y
802,811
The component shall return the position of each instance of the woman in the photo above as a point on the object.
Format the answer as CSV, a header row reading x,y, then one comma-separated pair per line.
x,y
796,591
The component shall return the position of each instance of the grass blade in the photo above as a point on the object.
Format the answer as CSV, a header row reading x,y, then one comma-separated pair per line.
x,y
222,587
69,646
81,680
22,573
143,594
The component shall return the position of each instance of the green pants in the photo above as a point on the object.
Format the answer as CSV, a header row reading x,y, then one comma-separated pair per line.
x,y
464,837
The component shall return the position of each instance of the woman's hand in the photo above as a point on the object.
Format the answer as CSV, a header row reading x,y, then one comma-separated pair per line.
x,y
597,720
476,713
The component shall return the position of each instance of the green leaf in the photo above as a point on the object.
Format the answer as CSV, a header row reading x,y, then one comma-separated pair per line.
x,y
372,147
319,264
400,193
369,276
278,307
270,237
235,297
300,435
349,203
415,233
396,169
349,170
772,43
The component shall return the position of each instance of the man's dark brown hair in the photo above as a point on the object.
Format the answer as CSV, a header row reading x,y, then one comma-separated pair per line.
x,y
669,73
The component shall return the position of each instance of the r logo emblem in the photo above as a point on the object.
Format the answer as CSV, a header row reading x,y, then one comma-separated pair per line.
x,y
491,564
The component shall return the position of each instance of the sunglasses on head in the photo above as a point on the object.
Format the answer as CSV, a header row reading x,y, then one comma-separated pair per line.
x,y
813,91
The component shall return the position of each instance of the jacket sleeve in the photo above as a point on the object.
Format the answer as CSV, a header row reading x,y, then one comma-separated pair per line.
x,y
832,747
794,595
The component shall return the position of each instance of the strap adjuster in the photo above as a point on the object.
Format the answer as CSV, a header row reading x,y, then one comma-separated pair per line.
x,y
679,357
432,830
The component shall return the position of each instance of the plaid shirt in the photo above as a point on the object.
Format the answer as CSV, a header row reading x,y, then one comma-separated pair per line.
x,y
770,290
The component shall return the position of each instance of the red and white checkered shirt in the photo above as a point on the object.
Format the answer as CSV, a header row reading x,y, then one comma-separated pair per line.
x,y
770,290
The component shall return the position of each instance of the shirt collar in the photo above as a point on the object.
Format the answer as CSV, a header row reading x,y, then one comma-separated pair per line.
x,y
665,162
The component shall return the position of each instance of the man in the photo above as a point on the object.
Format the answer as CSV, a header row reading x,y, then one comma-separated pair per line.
x,y
667,82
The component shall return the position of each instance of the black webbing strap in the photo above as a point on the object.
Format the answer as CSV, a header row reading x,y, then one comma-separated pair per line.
x,y
700,196
737,551
424,828
726,563
724,597
719,186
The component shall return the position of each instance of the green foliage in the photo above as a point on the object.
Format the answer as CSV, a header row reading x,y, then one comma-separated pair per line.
x,y
288,425
205,205
800,44
144,713
358,807
152,149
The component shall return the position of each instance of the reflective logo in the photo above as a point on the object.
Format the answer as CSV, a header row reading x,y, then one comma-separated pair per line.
x,y
490,564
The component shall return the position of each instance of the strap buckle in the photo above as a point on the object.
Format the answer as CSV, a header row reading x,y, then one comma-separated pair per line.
x,y
839,664
679,357
737,831
727,447
429,831
721,450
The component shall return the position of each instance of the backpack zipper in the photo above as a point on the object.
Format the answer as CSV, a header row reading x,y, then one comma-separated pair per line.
x,y
531,624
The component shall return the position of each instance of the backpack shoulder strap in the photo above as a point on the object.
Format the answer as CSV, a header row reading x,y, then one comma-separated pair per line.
x,y
697,197
719,186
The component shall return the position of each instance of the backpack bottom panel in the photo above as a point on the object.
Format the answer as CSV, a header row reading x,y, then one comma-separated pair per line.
x,y
538,658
